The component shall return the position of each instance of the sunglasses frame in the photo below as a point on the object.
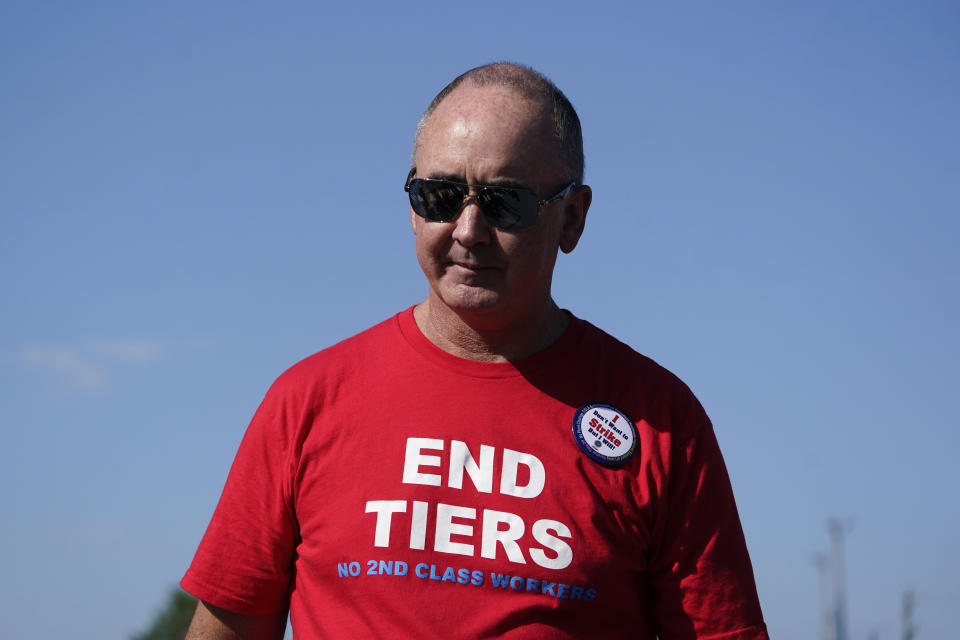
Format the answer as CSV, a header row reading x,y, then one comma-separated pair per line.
x,y
523,223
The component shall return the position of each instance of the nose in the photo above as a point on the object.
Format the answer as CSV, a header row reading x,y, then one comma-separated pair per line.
x,y
471,227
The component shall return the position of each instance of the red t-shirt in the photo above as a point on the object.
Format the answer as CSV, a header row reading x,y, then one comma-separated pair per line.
x,y
388,489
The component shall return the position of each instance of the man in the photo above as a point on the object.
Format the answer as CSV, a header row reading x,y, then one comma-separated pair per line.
x,y
483,464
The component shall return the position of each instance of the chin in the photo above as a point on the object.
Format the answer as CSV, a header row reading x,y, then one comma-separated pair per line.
x,y
468,298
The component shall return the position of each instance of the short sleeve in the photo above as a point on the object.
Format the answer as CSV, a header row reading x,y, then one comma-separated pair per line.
x,y
701,573
245,560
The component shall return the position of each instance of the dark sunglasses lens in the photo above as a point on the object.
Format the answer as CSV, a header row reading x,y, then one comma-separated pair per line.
x,y
509,208
437,201
441,201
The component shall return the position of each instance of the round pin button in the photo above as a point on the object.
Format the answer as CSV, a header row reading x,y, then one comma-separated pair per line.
x,y
605,434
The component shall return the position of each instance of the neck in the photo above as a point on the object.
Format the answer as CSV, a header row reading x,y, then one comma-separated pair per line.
x,y
490,337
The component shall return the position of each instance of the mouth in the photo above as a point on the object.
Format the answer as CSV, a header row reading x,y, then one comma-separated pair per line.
x,y
472,267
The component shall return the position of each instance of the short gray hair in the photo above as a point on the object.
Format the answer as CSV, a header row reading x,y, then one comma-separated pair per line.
x,y
532,85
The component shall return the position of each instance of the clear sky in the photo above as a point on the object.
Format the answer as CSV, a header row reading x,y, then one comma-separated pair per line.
x,y
193,196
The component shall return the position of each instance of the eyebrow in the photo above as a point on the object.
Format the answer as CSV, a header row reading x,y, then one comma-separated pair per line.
x,y
508,183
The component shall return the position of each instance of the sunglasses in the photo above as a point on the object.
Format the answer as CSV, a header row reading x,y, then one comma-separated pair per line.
x,y
503,207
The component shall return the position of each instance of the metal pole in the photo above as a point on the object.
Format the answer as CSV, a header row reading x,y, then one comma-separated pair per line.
x,y
822,564
838,529
909,629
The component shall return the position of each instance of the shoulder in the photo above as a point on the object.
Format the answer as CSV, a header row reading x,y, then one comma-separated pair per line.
x,y
646,387
624,359
345,359
318,381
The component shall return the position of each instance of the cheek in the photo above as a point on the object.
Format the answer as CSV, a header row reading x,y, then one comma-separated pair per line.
x,y
531,259
423,254
430,245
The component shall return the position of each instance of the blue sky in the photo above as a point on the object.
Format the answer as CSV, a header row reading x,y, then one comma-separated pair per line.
x,y
195,195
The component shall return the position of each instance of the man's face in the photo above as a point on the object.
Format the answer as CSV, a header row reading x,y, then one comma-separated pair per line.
x,y
493,136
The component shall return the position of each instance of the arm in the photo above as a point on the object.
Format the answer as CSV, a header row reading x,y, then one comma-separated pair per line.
x,y
702,574
243,568
213,623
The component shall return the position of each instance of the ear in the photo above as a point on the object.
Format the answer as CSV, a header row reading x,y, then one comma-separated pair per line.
x,y
574,217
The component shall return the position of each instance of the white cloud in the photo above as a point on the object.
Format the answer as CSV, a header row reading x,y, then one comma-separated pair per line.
x,y
84,367
129,350
75,370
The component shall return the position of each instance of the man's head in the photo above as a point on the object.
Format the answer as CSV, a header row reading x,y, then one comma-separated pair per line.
x,y
535,87
502,134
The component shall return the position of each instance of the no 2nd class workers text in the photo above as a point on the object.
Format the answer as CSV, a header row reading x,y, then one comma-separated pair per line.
x,y
464,576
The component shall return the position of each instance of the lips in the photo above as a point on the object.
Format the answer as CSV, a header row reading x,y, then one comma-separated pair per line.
x,y
472,266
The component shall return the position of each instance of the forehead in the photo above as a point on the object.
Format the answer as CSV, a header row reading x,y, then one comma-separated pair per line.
x,y
487,134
